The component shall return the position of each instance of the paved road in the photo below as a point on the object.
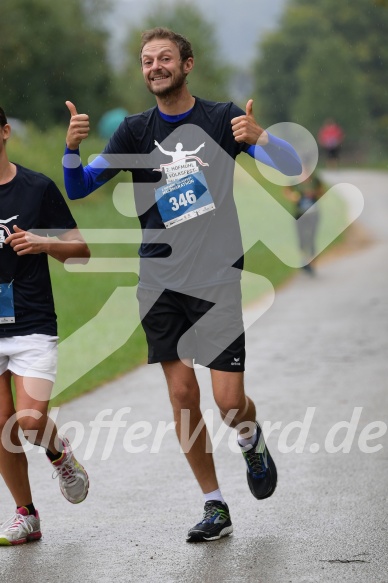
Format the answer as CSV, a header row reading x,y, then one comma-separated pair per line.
x,y
319,354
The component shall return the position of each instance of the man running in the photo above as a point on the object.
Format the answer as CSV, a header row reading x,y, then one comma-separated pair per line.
x,y
28,335
191,253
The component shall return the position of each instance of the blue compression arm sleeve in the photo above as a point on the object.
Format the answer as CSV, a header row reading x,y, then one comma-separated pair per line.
x,y
278,154
81,181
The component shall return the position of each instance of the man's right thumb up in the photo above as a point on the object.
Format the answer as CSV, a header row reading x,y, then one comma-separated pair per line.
x,y
71,107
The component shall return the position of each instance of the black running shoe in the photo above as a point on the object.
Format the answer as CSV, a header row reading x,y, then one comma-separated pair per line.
x,y
261,472
215,523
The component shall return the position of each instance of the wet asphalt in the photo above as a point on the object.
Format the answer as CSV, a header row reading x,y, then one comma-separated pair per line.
x,y
318,358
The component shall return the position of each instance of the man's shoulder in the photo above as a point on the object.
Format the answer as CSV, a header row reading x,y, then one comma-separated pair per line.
x,y
140,118
214,105
220,109
133,127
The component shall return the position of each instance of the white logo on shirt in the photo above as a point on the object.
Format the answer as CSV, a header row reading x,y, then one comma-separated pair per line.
x,y
5,229
183,163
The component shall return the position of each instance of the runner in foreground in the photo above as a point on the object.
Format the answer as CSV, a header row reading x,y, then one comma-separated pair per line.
x,y
181,154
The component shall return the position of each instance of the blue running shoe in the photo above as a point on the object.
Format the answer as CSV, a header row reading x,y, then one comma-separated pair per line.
x,y
261,470
215,524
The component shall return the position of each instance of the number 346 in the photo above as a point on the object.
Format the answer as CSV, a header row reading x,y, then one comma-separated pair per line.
x,y
184,199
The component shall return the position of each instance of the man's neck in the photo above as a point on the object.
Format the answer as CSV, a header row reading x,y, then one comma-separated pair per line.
x,y
176,104
7,170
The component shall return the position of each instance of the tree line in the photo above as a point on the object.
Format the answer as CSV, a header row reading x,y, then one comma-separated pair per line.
x,y
328,59
50,52
325,59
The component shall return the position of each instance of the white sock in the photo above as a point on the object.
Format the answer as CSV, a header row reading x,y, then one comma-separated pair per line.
x,y
243,442
215,495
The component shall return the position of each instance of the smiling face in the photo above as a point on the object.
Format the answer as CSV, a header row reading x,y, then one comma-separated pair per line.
x,y
163,70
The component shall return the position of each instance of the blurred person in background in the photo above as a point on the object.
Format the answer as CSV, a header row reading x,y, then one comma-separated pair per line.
x,y
330,138
304,196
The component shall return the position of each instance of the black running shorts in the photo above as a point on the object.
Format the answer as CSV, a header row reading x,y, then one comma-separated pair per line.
x,y
204,325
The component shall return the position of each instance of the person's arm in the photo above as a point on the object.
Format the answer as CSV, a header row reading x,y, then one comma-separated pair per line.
x,y
69,244
263,146
55,232
278,154
81,181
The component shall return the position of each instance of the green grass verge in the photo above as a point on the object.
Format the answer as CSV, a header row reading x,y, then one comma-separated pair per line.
x,y
95,337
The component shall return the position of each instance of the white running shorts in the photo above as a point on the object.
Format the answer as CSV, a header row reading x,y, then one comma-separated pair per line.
x,y
34,355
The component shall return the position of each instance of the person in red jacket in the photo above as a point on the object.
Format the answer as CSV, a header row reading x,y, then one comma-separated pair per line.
x,y
330,138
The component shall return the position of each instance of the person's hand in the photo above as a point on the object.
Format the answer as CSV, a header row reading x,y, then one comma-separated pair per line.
x,y
26,243
246,129
78,127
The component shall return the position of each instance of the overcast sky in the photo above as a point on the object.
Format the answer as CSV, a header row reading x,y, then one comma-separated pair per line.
x,y
238,23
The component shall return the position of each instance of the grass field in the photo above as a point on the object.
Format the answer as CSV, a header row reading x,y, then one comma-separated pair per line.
x,y
97,312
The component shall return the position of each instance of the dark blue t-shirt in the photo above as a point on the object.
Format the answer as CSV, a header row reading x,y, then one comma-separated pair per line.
x,y
196,252
186,242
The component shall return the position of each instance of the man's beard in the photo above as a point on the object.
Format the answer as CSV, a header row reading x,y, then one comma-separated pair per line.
x,y
172,89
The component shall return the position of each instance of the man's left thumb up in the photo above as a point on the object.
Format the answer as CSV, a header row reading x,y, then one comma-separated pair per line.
x,y
249,107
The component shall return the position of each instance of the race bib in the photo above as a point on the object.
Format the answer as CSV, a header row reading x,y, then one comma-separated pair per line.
x,y
7,311
184,199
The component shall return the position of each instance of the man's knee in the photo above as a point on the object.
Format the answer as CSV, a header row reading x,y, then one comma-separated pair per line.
x,y
231,402
184,396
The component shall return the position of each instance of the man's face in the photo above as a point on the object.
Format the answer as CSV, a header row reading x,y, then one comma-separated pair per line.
x,y
163,71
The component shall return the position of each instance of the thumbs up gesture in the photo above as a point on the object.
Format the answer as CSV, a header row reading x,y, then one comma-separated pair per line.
x,y
78,128
246,129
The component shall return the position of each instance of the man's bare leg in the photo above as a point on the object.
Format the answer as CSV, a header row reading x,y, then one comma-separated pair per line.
x,y
185,396
229,395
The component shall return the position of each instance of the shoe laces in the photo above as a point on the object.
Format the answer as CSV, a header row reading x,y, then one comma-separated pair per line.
x,y
15,521
255,461
210,510
67,471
